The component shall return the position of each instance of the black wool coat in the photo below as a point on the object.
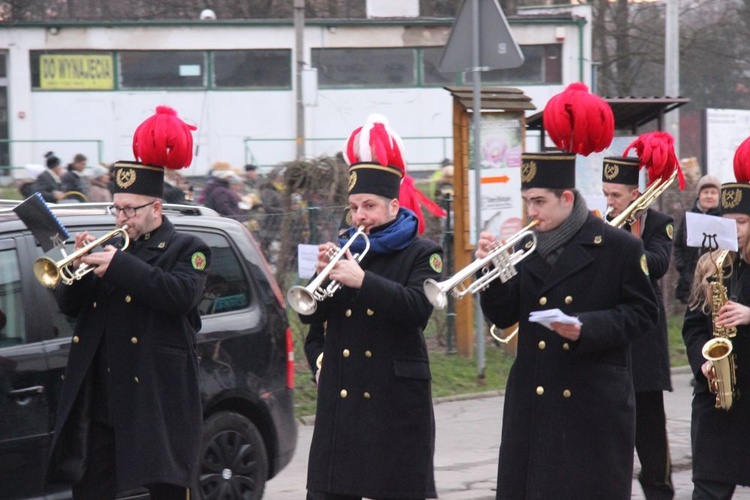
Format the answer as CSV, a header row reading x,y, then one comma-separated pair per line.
x,y
569,415
374,426
651,352
46,184
720,439
145,306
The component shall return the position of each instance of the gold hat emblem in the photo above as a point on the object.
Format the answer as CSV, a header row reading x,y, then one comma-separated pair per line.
x,y
611,170
352,180
125,178
528,171
731,198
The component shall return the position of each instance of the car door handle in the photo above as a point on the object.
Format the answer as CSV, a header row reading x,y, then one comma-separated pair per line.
x,y
26,392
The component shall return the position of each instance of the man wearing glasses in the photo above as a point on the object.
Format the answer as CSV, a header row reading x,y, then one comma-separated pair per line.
x,y
130,415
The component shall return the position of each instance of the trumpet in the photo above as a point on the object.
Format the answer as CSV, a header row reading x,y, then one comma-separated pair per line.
x,y
304,299
504,262
50,272
644,201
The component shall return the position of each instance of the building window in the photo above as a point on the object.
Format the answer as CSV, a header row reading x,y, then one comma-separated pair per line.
x,y
431,76
365,67
252,69
162,69
542,64
72,70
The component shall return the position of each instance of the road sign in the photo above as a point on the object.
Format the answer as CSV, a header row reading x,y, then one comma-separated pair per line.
x,y
497,48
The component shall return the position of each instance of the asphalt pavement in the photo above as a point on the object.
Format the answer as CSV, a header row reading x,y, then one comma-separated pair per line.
x,y
467,441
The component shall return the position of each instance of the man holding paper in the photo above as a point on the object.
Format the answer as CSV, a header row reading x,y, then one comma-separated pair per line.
x,y
569,405
651,372
569,415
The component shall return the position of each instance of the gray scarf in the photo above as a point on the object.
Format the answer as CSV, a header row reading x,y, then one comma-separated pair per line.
x,y
551,243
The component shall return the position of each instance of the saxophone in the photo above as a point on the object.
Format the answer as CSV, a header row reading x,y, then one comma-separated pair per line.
x,y
723,377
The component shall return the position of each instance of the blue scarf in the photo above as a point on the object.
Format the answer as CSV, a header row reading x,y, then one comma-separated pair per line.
x,y
388,238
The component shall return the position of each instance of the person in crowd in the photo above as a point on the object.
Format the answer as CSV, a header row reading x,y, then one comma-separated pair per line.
x,y
223,194
99,184
650,354
569,415
49,182
374,430
27,181
719,438
272,200
75,185
252,176
130,413
685,257
176,188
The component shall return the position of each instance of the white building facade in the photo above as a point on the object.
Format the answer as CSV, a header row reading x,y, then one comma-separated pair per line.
x,y
84,88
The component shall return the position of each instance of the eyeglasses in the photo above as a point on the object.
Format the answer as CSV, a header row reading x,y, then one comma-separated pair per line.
x,y
128,211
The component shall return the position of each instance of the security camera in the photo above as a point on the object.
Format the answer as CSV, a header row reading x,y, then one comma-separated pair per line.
x,y
208,15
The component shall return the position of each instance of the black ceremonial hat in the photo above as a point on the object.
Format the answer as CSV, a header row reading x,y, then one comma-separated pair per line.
x,y
621,170
548,170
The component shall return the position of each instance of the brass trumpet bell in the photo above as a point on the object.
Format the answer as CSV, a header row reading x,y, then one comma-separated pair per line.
x,y
304,299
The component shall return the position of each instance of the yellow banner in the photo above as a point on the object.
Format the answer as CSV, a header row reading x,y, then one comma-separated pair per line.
x,y
76,72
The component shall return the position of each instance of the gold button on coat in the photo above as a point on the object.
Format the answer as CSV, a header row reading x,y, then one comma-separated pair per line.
x,y
540,390
566,346
542,344
568,299
370,312
566,393
93,305
136,380
134,340
128,299
76,339
345,353
366,395
343,393
348,313
543,301
368,354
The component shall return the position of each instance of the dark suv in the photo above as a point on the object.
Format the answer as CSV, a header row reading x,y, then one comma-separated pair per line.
x,y
245,347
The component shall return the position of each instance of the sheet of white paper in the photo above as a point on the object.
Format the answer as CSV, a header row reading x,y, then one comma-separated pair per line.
x,y
307,259
711,232
548,316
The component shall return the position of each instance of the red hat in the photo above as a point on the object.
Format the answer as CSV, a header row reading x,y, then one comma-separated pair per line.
x,y
377,166
655,151
578,122
373,152
161,141
735,196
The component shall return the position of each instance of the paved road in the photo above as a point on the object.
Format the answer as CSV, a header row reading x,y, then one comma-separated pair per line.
x,y
467,440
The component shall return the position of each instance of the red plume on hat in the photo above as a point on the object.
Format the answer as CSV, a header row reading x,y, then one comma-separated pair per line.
x,y
742,162
578,121
655,150
411,197
164,140
375,142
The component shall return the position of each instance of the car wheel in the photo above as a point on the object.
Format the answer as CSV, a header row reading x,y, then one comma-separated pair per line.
x,y
233,459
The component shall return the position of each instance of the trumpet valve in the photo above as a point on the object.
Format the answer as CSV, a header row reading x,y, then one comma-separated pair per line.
x,y
505,266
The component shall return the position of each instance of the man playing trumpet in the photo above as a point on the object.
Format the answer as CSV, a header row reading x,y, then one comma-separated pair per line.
x,y
651,375
374,426
129,414
569,414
